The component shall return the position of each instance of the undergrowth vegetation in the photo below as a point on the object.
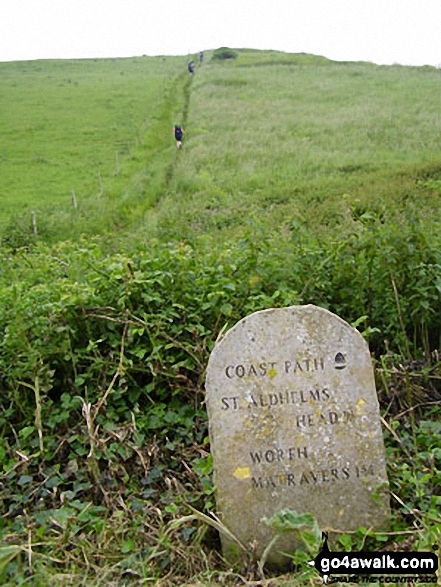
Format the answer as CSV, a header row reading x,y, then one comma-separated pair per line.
x,y
103,360
324,190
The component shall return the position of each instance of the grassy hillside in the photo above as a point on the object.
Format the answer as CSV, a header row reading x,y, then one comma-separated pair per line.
x,y
82,125
306,143
271,136
301,180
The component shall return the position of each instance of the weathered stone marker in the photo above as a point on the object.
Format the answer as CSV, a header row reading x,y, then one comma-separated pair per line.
x,y
294,423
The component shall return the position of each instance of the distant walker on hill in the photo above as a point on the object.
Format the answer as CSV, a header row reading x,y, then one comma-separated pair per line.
x,y
191,67
178,132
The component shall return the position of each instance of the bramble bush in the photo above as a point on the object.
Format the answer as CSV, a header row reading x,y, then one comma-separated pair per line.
x,y
70,313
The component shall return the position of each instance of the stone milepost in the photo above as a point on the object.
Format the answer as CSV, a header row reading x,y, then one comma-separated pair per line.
x,y
294,423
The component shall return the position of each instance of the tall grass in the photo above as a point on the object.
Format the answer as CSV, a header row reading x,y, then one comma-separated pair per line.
x,y
290,142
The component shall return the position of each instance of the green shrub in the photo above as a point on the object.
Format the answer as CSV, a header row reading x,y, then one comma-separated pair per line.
x,y
71,317
224,53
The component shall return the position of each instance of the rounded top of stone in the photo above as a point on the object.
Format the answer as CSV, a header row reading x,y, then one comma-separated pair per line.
x,y
309,314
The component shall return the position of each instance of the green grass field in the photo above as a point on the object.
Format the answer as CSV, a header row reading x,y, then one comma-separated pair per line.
x,y
302,143
300,180
77,125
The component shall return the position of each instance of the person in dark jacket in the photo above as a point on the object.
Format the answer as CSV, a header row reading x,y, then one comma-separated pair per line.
x,y
178,133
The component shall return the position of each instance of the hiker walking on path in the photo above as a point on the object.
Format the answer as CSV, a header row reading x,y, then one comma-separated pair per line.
x,y
178,132
191,68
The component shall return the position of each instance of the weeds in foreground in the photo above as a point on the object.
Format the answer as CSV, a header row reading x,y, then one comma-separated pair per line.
x,y
106,471
164,540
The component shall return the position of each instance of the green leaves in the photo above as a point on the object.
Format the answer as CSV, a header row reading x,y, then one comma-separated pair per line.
x,y
303,524
66,311
129,337
306,529
288,520
8,553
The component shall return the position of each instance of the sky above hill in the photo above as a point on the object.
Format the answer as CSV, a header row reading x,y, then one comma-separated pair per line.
x,y
382,31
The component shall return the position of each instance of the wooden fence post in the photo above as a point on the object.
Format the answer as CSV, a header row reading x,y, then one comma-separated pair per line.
x,y
34,223
100,183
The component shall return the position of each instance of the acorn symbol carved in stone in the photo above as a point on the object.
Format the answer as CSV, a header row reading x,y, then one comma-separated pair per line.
x,y
340,361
